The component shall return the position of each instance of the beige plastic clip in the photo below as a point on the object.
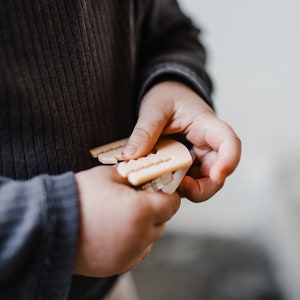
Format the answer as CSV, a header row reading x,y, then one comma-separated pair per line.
x,y
161,170
110,153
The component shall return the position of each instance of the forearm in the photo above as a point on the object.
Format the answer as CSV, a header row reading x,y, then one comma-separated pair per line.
x,y
38,233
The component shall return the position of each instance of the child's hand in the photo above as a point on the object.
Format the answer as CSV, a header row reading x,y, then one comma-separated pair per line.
x,y
172,107
118,225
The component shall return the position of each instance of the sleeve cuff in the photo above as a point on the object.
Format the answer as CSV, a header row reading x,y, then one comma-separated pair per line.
x,y
167,71
61,224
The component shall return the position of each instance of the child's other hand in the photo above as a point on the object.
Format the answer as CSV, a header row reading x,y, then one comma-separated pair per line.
x,y
118,224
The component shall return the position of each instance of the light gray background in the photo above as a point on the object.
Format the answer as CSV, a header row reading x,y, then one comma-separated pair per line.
x,y
254,60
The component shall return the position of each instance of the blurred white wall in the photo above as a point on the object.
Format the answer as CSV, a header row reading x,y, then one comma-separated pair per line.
x,y
254,60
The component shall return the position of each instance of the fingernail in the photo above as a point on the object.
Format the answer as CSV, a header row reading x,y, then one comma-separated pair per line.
x,y
129,150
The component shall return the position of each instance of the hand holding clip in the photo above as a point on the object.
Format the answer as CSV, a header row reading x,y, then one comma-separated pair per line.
x,y
161,170
173,108
118,224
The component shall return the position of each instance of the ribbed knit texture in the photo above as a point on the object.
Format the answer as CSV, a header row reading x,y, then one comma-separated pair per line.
x,y
64,85
70,75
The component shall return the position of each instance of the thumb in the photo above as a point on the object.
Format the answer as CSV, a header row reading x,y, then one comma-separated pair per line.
x,y
145,134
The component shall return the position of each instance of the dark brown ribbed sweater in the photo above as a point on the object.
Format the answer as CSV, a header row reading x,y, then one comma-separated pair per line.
x,y
71,75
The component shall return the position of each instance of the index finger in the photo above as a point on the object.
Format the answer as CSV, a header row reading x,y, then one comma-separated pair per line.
x,y
229,154
216,135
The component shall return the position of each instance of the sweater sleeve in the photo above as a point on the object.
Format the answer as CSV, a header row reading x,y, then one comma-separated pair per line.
x,y
171,49
38,234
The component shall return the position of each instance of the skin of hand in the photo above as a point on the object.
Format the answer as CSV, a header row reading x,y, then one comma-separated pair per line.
x,y
173,108
118,224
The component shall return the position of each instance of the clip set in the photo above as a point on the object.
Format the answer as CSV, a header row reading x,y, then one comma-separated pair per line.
x,y
161,170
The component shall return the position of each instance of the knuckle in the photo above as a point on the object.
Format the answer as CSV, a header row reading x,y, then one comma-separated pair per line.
x,y
140,211
143,133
